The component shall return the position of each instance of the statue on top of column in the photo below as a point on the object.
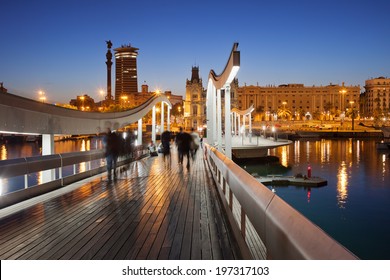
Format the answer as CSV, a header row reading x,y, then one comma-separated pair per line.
x,y
109,44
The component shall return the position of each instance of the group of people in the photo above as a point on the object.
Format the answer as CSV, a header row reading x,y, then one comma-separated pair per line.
x,y
116,146
187,146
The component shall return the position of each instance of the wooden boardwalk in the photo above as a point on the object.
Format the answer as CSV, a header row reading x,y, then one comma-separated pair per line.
x,y
153,211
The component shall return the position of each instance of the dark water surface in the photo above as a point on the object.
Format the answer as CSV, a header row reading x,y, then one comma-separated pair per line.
x,y
354,207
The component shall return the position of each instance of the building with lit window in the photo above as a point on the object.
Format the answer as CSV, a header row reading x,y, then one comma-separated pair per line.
x,y
126,81
299,100
375,101
195,102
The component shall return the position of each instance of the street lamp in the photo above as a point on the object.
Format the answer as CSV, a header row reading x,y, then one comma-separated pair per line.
x,y
42,96
82,99
124,100
343,92
352,114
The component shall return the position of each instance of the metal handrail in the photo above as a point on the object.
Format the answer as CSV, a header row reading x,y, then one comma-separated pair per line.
x,y
285,232
24,166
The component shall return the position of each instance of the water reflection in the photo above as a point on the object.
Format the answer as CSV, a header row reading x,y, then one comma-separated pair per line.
x,y
297,151
342,185
40,177
325,151
384,167
284,157
3,152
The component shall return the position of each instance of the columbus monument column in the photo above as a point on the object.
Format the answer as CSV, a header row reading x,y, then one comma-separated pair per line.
x,y
109,99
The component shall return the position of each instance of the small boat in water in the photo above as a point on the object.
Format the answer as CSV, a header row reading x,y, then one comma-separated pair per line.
x,y
383,146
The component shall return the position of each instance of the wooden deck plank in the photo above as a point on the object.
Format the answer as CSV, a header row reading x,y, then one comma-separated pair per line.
x,y
154,211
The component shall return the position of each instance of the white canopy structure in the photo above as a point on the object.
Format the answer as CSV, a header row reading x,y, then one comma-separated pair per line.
x,y
216,84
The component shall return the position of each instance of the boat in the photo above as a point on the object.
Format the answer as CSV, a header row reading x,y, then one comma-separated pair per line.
x,y
383,146
307,134
292,180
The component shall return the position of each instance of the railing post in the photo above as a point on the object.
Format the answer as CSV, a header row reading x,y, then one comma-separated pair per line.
x,y
48,149
25,178
243,223
224,185
230,199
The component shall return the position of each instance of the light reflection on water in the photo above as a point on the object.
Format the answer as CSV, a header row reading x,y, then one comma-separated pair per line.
x,y
354,206
342,185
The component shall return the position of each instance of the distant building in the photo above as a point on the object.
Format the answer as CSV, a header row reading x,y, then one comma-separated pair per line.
x,y
83,103
375,101
126,81
299,99
195,101
141,97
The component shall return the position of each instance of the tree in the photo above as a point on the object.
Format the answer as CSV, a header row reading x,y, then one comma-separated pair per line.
x,y
300,113
259,112
328,106
284,113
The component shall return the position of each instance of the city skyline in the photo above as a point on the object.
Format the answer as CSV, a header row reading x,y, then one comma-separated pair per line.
x,y
59,48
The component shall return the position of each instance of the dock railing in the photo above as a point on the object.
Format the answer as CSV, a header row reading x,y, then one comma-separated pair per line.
x,y
93,162
271,228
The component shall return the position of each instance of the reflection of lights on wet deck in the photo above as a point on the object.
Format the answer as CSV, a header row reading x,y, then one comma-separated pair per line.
x,y
82,146
342,185
1,187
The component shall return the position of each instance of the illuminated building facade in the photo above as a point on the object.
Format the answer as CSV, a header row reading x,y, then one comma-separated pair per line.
x,y
126,81
376,98
299,99
195,102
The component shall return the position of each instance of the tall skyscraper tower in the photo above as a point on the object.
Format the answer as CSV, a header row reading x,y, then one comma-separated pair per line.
x,y
126,82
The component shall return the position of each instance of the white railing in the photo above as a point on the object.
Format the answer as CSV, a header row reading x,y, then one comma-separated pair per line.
x,y
270,227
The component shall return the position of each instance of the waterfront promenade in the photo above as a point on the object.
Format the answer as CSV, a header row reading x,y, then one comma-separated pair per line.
x,y
153,211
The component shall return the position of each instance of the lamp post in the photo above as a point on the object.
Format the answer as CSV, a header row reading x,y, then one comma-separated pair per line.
x,y
343,92
124,100
82,104
42,96
352,114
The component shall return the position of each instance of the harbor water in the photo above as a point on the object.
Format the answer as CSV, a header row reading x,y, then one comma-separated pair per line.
x,y
354,206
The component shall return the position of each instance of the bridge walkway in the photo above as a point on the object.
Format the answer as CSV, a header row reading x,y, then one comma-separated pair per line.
x,y
153,211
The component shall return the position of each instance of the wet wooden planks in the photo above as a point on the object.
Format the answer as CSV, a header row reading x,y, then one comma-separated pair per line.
x,y
155,210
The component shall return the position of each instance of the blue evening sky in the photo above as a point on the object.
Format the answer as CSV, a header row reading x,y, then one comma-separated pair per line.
x,y
59,46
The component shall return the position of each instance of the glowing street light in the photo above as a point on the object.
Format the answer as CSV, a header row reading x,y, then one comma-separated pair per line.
x,y
82,98
42,97
343,92
124,100
352,114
